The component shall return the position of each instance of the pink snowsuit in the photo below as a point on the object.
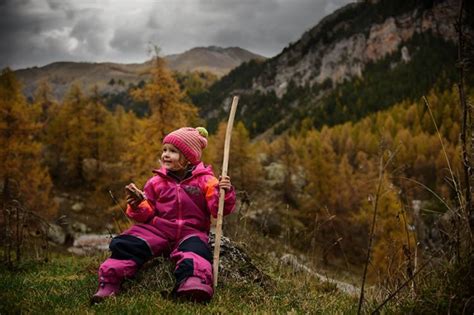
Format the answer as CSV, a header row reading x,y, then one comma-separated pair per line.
x,y
174,221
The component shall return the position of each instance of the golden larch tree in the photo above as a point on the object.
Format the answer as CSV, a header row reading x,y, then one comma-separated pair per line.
x,y
21,170
168,111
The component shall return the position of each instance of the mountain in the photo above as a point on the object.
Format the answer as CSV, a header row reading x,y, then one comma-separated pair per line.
x,y
217,60
114,77
362,58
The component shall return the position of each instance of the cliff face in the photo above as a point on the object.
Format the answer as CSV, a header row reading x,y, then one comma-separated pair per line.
x,y
313,60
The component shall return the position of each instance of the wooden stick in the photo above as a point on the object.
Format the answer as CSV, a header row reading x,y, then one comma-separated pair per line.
x,y
225,164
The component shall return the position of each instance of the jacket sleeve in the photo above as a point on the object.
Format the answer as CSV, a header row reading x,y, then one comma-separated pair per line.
x,y
212,197
145,210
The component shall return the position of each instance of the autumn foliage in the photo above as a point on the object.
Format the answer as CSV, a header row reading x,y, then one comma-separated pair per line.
x,y
328,176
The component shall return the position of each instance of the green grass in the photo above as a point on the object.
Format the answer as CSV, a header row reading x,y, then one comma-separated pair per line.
x,y
65,284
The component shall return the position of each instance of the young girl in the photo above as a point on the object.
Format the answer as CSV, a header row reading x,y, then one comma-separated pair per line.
x,y
173,215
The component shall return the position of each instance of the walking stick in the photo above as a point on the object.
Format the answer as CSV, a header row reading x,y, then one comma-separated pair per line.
x,y
225,164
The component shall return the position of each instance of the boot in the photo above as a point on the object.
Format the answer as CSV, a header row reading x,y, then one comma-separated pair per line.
x,y
195,289
105,290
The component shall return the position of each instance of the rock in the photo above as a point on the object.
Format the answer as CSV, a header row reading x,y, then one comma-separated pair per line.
x,y
268,221
56,234
291,261
311,61
79,227
342,60
383,39
235,264
405,55
298,180
90,244
78,206
275,174
77,251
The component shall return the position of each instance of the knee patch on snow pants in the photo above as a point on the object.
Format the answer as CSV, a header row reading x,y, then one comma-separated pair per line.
x,y
194,258
125,247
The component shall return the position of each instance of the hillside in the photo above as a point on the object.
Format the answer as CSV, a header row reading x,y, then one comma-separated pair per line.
x,y
360,59
65,284
114,77
216,60
340,168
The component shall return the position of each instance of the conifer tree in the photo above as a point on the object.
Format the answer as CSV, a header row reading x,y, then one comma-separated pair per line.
x,y
69,134
20,154
102,138
393,241
168,111
244,167
44,103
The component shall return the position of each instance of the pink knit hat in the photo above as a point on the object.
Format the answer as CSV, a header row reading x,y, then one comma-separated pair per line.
x,y
190,141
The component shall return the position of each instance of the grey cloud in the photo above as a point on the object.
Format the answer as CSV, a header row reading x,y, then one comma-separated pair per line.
x,y
59,5
36,32
264,26
90,31
127,38
153,22
233,6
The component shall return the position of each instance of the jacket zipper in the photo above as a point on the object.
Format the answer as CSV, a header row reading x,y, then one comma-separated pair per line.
x,y
180,215
178,188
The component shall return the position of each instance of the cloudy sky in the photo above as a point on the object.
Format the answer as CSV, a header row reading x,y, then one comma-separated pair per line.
x,y
38,32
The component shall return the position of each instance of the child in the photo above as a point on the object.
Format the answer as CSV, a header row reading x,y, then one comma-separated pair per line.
x,y
173,215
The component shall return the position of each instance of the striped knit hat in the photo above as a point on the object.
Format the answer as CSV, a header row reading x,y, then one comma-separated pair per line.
x,y
190,141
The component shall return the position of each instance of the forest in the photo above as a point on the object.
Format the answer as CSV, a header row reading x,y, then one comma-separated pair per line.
x,y
373,185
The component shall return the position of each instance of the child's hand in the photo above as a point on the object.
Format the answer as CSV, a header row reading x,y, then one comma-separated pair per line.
x,y
134,195
224,183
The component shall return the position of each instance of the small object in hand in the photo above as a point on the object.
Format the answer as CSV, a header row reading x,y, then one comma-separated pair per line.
x,y
134,195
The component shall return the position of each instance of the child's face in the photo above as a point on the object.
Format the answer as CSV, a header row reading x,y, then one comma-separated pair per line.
x,y
172,159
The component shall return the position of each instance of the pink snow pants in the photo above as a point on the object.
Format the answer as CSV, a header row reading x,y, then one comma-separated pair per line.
x,y
187,247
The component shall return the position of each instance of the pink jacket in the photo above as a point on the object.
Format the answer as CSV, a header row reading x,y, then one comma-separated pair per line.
x,y
190,202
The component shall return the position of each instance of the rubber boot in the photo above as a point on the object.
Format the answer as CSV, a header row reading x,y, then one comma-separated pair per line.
x,y
195,289
105,290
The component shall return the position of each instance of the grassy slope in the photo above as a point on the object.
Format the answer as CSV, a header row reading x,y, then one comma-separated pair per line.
x,y
65,284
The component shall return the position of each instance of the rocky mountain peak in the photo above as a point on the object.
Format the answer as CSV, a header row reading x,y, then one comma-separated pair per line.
x,y
339,47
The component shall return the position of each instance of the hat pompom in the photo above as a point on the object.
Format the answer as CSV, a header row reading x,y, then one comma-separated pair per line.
x,y
203,132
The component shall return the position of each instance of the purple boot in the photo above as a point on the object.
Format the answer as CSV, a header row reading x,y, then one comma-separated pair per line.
x,y
194,289
111,274
105,290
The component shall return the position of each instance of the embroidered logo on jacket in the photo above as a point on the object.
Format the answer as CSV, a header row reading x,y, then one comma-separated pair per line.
x,y
192,190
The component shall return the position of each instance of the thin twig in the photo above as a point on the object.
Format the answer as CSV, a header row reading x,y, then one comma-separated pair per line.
x,y
372,231
456,188
120,206
411,268
339,238
394,293
428,189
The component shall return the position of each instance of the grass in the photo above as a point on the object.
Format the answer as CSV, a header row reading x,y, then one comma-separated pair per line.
x,y
65,284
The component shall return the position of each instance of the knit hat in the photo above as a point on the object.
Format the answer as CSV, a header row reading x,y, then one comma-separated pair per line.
x,y
190,141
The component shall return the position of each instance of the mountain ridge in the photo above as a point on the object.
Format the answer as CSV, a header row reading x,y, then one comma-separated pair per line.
x,y
62,74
